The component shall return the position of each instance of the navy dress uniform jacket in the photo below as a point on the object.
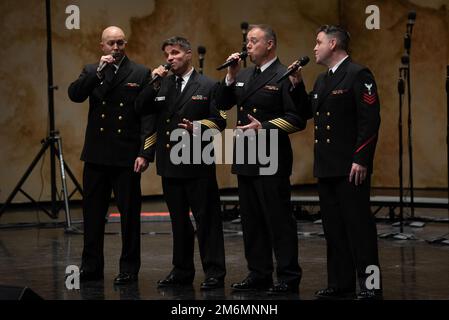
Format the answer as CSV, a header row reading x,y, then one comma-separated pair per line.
x,y
196,103
115,133
346,111
269,102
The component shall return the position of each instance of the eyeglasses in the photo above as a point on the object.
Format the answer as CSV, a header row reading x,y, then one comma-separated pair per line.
x,y
120,43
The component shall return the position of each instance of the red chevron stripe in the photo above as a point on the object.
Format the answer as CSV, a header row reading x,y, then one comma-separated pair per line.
x,y
369,99
365,144
370,102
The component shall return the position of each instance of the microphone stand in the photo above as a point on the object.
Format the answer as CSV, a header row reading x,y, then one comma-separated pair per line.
x,y
444,239
407,47
401,91
403,74
54,143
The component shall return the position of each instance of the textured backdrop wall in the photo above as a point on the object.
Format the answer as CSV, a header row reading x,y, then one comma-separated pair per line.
x,y
216,25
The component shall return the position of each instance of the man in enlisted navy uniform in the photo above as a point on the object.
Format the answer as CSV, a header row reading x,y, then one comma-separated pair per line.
x,y
184,104
345,107
114,154
265,208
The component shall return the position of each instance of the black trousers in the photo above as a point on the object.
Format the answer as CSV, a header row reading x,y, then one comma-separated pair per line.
x,y
350,231
202,197
98,182
268,225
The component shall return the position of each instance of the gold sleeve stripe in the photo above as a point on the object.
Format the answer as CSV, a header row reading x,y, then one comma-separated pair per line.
x,y
284,125
151,138
223,114
147,141
150,141
148,145
210,124
289,125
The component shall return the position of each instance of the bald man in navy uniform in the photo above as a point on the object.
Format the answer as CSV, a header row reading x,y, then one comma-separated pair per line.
x,y
114,154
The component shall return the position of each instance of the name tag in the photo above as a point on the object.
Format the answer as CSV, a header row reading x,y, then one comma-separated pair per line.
x,y
132,85
239,84
159,98
341,91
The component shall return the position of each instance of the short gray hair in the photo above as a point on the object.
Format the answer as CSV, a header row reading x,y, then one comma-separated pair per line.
x,y
269,32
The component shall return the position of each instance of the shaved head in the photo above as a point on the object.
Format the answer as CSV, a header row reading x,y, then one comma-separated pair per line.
x,y
112,31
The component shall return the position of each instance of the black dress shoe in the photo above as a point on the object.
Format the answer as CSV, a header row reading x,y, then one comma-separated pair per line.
x,y
90,276
125,278
284,287
332,293
370,295
172,281
212,283
251,284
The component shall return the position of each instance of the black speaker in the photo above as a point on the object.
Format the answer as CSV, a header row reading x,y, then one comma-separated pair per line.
x,y
18,293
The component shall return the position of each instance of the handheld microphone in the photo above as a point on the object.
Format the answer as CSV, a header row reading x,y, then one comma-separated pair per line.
x,y
157,77
301,63
201,54
231,62
103,64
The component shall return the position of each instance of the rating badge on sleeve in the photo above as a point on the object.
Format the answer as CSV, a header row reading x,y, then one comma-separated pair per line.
x,y
369,97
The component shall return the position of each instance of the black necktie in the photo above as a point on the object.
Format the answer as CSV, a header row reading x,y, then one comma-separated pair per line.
x,y
257,71
179,81
328,77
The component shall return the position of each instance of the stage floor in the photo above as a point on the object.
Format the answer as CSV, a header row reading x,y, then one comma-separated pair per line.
x,y
37,257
